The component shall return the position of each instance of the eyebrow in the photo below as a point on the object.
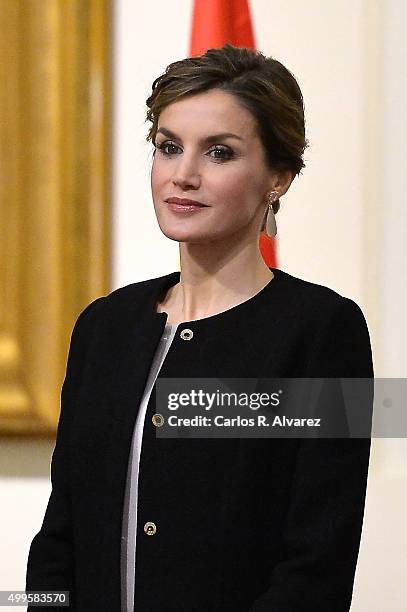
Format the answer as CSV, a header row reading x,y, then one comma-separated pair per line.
x,y
206,140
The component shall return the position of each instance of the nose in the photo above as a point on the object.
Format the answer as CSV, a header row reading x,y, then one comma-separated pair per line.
x,y
186,172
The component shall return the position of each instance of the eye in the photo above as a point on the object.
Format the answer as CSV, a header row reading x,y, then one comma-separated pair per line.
x,y
224,150
163,146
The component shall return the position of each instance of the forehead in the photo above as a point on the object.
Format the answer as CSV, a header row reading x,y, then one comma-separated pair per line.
x,y
205,112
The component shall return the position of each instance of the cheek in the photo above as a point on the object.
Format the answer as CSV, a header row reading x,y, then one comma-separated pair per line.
x,y
157,176
154,170
237,187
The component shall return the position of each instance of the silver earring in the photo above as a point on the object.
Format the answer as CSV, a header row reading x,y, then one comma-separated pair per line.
x,y
271,226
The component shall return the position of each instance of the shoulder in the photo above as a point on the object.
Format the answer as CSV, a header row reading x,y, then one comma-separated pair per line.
x,y
333,327
140,294
125,299
316,302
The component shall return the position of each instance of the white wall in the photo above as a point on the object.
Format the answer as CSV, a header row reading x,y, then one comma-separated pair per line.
x,y
158,31
342,223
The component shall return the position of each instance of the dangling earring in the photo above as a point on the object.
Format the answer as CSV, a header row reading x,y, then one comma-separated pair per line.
x,y
271,226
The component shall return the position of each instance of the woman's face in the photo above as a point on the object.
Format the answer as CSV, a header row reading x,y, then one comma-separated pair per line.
x,y
227,173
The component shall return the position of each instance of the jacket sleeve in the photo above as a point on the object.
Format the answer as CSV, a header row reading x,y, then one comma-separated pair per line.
x,y
50,564
323,524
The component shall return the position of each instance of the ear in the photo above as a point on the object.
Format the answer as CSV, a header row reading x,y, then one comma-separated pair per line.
x,y
282,181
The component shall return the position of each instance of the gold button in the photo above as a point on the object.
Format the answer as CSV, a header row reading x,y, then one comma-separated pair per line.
x,y
186,334
158,420
150,528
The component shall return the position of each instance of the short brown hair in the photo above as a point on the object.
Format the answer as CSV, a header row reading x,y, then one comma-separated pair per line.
x,y
262,85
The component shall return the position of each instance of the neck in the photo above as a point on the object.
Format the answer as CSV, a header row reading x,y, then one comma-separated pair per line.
x,y
210,284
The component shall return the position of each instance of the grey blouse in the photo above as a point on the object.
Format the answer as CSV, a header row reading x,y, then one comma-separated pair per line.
x,y
129,529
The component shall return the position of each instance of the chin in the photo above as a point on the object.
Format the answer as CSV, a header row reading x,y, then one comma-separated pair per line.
x,y
183,234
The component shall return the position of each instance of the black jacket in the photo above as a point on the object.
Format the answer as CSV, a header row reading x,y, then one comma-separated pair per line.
x,y
242,524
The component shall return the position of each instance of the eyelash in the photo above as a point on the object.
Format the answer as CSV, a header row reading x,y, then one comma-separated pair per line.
x,y
167,143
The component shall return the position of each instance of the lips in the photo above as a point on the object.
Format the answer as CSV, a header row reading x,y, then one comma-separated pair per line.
x,y
184,202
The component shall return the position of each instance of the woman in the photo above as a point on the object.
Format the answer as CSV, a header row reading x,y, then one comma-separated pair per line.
x,y
205,524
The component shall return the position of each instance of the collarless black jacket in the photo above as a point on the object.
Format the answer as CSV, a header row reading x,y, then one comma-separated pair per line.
x,y
243,525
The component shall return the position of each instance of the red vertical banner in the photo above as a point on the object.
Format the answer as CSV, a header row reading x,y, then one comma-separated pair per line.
x,y
215,23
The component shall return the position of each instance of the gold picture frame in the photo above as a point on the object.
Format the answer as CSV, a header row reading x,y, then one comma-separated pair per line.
x,y
55,195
